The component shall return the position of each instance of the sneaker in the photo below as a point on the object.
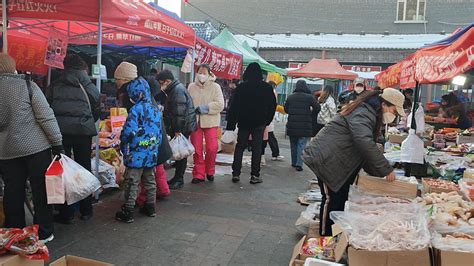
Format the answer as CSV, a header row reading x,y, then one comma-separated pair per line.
x,y
148,210
235,179
299,168
125,215
172,181
198,181
177,185
278,158
210,178
256,180
47,240
263,162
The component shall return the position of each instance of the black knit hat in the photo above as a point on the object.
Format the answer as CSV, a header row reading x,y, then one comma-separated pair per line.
x,y
74,61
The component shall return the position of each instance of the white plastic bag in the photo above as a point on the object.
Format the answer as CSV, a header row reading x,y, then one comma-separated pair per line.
x,y
229,137
54,183
308,217
419,119
78,182
181,147
413,149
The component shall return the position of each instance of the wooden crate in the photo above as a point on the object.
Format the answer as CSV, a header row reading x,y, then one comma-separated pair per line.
x,y
380,186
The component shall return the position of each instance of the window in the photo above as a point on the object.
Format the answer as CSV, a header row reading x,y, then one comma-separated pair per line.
x,y
411,10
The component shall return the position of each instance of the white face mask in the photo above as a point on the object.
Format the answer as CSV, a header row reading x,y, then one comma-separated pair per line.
x,y
359,89
388,117
202,77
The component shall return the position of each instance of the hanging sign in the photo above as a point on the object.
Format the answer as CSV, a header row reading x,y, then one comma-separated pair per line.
x,y
57,49
223,64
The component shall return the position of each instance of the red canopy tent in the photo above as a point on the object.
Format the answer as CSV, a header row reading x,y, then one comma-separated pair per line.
x,y
324,69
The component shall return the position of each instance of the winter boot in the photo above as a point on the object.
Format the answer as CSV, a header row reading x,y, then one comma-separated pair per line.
x,y
125,215
148,210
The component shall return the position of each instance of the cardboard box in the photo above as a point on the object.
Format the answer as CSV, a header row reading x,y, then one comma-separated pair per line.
x,y
228,148
453,258
15,260
389,258
380,186
78,261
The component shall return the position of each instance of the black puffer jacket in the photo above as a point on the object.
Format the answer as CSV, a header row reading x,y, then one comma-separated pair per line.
x,y
180,115
302,109
70,105
253,105
344,145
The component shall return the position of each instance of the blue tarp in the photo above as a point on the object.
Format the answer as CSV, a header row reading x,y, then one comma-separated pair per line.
x,y
449,40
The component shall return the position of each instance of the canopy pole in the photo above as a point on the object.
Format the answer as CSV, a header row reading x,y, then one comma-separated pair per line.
x,y
193,56
415,105
4,26
98,85
48,82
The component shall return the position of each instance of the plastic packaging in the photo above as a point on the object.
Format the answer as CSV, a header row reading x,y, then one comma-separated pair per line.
x,y
413,149
181,147
419,119
107,175
78,182
307,218
459,242
229,137
359,197
26,243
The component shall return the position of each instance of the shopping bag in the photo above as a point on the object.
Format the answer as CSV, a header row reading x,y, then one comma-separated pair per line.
x,y
181,147
413,149
54,183
79,183
229,137
107,176
419,120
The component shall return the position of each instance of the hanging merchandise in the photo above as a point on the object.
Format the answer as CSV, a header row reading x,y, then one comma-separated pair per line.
x,y
419,119
57,49
413,149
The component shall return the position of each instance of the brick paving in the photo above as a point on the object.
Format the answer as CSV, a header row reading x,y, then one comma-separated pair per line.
x,y
218,223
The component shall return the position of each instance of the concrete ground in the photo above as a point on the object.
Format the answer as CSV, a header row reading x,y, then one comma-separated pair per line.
x,y
218,223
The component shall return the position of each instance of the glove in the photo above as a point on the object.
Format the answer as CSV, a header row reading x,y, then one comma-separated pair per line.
x,y
57,150
204,109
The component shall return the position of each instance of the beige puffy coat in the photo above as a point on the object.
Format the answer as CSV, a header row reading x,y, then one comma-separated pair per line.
x,y
209,94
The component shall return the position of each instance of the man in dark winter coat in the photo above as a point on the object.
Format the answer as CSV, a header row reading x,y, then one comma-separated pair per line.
x,y
179,117
74,100
301,108
252,109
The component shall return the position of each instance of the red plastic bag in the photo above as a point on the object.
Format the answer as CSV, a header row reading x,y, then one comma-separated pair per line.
x,y
6,235
27,244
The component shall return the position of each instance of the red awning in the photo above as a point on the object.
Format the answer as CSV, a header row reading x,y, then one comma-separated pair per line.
x,y
124,22
224,64
323,68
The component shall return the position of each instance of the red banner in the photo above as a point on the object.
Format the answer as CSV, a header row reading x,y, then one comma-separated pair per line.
x,y
441,63
224,64
390,77
28,54
407,72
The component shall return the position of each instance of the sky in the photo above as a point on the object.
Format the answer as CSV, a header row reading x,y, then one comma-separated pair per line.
x,y
171,5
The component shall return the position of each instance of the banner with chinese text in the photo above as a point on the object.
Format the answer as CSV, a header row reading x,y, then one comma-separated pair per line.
x,y
224,64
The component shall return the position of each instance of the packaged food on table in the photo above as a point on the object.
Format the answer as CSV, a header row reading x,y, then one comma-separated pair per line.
x,y
450,212
357,196
26,243
439,185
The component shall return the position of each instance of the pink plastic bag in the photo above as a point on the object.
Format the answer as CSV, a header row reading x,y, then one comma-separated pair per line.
x,y
54,183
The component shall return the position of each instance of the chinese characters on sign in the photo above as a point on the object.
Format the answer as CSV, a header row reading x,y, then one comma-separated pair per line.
x,y
166,29
223,63
359,68
57,49
29,57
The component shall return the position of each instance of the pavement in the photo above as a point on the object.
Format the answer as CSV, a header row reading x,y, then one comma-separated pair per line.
x,y
217,223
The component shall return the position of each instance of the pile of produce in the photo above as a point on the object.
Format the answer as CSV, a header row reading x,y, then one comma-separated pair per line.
x,y
439,185
449,211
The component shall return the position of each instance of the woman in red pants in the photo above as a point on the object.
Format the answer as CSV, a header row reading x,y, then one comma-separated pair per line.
x,y
209,102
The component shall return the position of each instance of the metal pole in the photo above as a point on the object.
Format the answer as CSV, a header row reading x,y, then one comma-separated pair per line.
x,y
5,26
258,47
193,56
49,76
98,83
415,105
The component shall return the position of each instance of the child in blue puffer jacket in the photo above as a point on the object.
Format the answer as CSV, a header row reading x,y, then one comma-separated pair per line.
x,y
140,140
